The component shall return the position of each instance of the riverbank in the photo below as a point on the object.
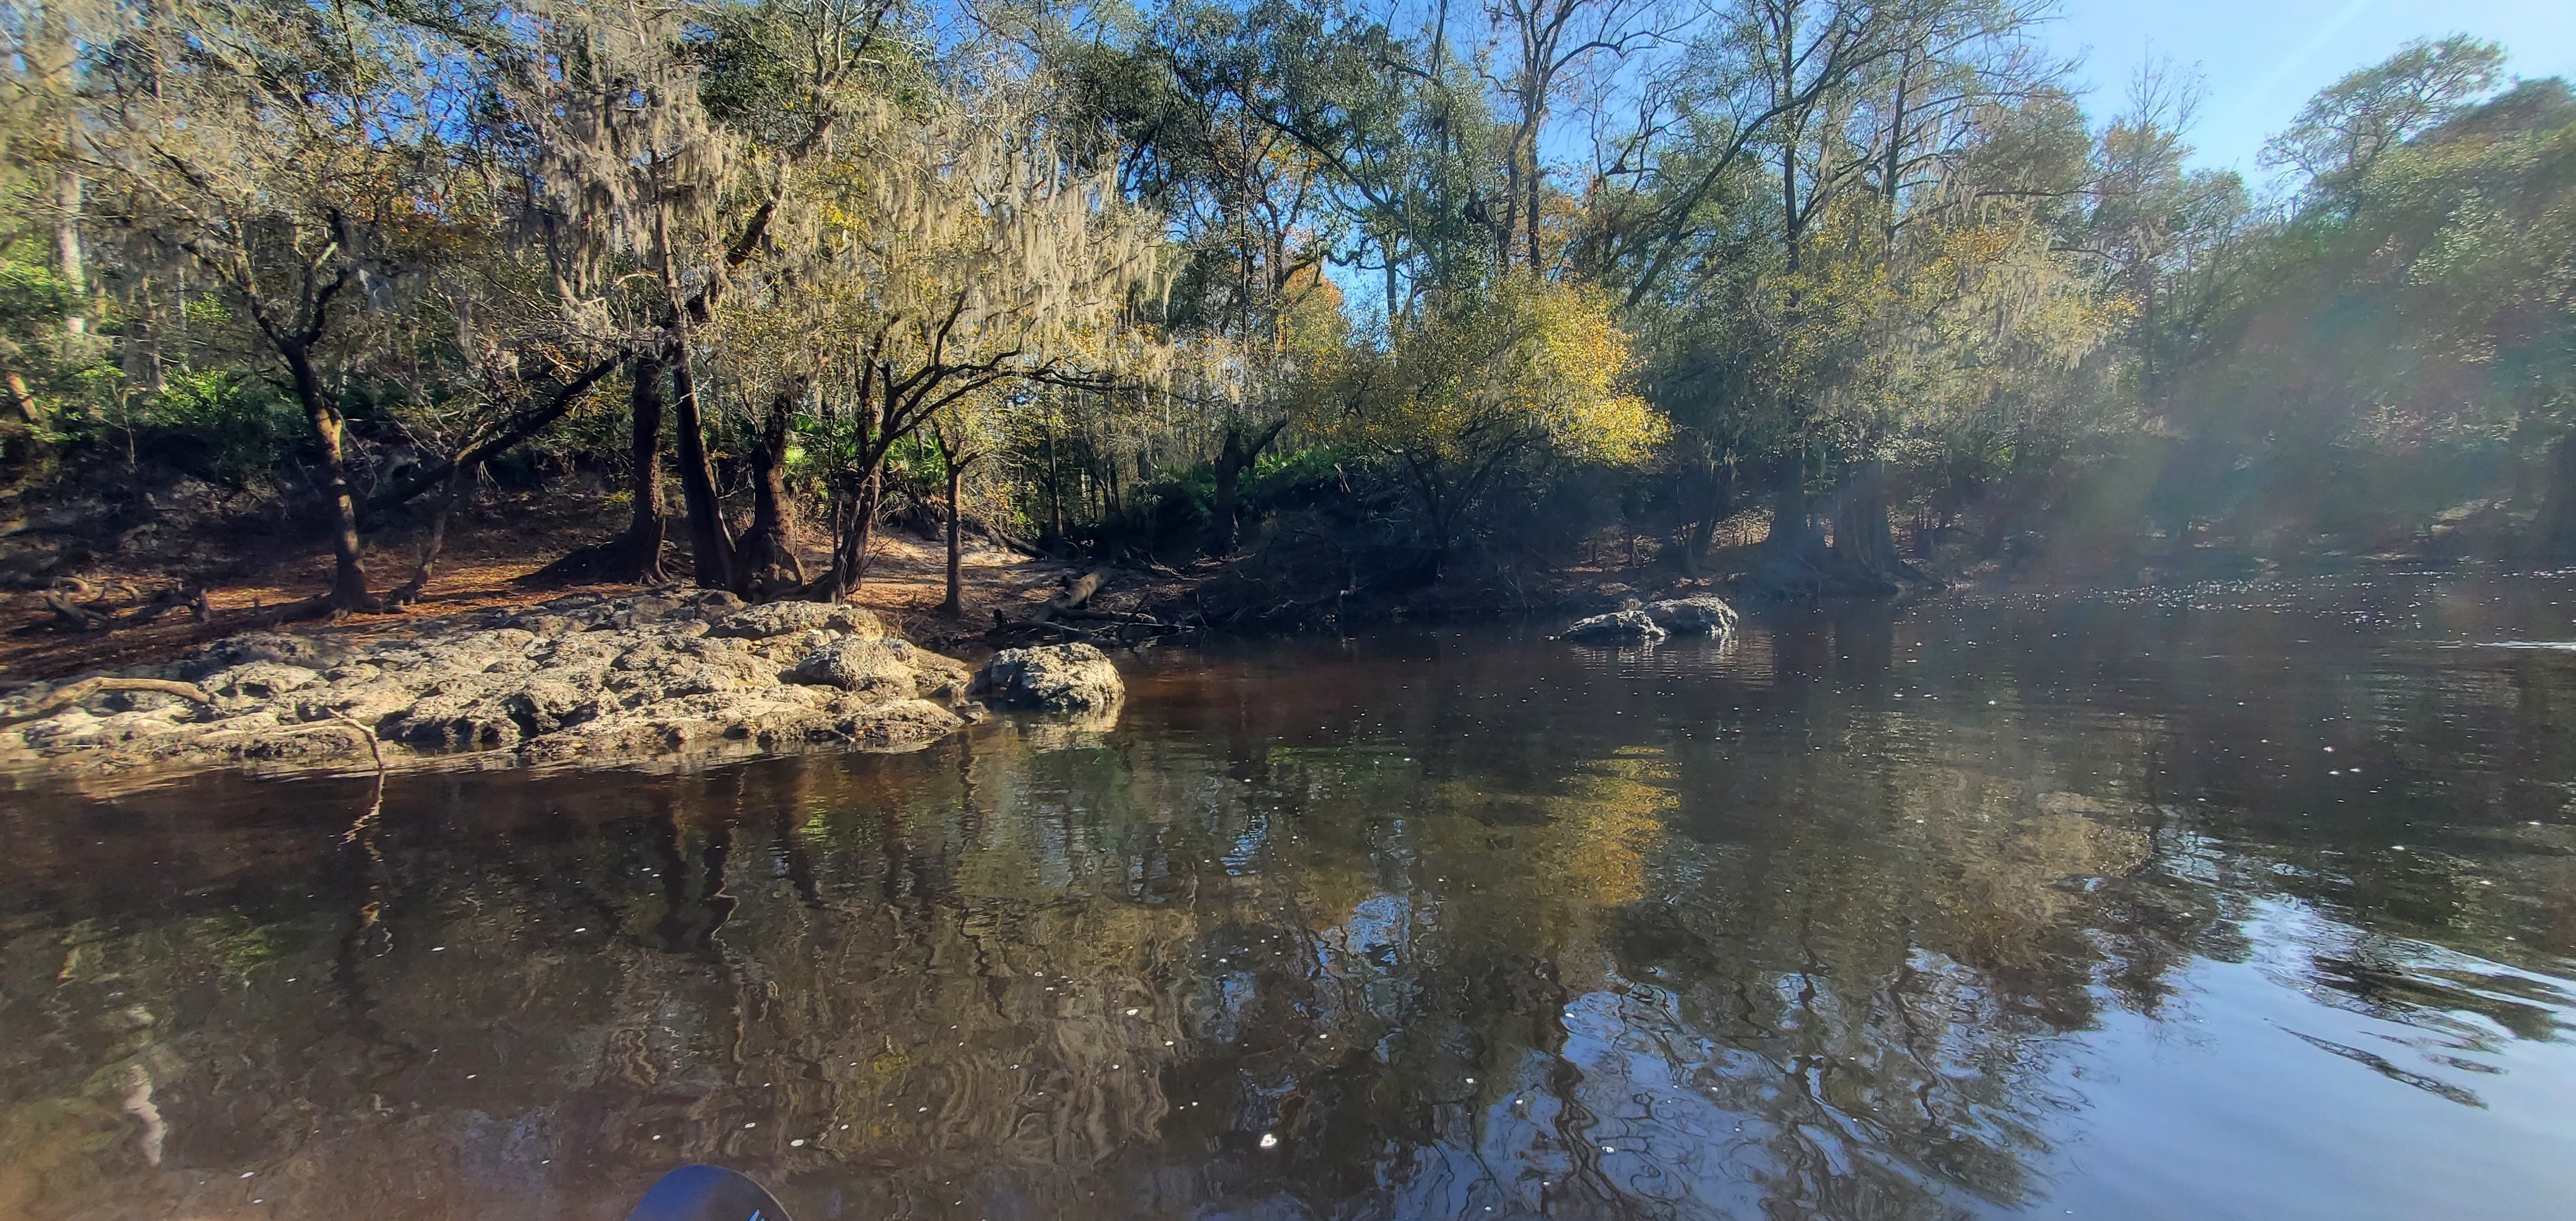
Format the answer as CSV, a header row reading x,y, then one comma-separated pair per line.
x,y
493,563
237,577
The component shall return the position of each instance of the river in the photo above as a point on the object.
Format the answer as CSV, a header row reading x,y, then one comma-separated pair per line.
x,y
2246,902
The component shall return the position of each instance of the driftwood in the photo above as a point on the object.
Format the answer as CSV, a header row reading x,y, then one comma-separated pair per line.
x,y
1087,615
1068,617
173,598
79,605
1076,594
73,615
73,693
1098,628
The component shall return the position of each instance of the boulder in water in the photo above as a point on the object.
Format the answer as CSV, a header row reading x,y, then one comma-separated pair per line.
x,y
1632,626
1704,615
1057,677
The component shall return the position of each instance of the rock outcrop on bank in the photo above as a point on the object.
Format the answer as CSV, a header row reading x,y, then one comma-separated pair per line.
x,y
579,679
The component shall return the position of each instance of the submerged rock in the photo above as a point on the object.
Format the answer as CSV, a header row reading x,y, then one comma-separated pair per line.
x,y
1704,615
579,679
1633,626
1056,677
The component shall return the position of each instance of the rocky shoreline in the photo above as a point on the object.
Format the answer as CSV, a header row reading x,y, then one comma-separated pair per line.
x,y
581,680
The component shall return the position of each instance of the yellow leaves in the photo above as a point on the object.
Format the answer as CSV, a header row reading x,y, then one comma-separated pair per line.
x,y
1525,362
946,232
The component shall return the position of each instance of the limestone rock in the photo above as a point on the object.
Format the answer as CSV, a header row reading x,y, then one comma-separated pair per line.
x,y
881,666
1623,626
457,721
558,701
264,646
1704,615
780,618
946,680
716,603
368,703
1057,677
580,678
257,680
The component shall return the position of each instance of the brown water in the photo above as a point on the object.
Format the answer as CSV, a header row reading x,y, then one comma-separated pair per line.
x,y
2247,904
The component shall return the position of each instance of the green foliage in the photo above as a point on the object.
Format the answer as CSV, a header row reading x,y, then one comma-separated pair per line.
x,y
2432,300
215,423
1521,371
2344,130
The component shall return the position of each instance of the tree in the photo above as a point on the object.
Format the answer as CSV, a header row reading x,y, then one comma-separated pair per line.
x,y
665,143
963,439
950,250
2348,126
1527,369
2160,231
1544,41
309,181
2417,310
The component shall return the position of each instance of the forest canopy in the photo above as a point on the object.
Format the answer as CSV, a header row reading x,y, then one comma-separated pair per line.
x,y
1834,297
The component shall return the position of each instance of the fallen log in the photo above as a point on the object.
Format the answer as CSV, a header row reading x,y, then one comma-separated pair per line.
x,y
1075,594
1088,615
72,693
73,615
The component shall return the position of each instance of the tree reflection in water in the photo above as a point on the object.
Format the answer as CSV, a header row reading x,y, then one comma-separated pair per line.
x,y
1843,923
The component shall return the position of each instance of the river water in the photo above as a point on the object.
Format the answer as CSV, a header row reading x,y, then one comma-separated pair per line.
x,y
2237,902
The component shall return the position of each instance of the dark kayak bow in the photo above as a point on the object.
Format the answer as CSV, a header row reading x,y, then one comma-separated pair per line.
x,y
707,1193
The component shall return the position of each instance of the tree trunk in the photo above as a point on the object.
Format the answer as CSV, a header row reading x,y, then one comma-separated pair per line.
x,y
850,551
955,604
1864,559
349,576
1717,501
460,479
1231,463
954,459
1532,184
710,541
766,559
1790,527
1793,557
637,555
67,251
1790,219
22,400
1055,496
2558,506
1229,475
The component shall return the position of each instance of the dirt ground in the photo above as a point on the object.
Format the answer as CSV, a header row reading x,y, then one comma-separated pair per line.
x,y
490,562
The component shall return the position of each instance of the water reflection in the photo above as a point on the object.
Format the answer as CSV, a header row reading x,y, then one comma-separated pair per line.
x,y
1937,911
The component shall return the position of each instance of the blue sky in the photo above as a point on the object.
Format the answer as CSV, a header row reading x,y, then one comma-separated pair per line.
x,y
2261,59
